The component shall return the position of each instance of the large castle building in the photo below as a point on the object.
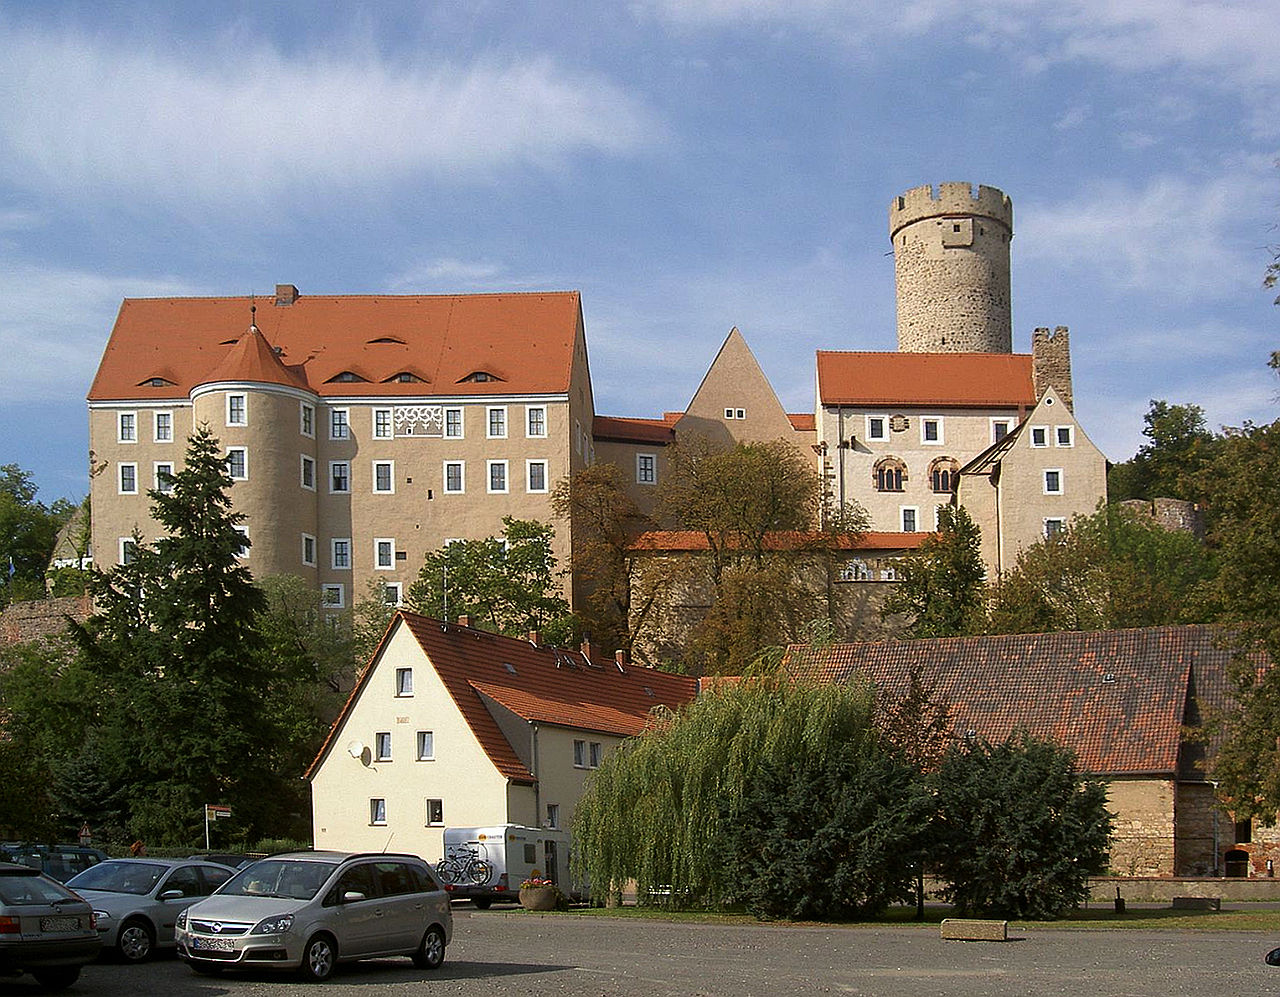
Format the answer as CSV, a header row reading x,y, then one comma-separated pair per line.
x,y
364,431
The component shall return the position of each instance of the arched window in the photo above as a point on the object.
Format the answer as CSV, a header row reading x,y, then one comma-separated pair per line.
x,y
890,474
943,475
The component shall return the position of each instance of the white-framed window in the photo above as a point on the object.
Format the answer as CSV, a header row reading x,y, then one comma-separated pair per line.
x,y
496,424
332,596
378,812
307,419
238,463
384,553
535,475
162,475
392,593
453,423
340,553
931,431
382,746
553,815
127,550
382,424
1053,481
434,812
243,552
1053,525
910,518
1000,429
497,476
339,424
237,409
455,480
586,754
127,427
728,413
384,477
594,752
308,550
1064,436
128,480
1039,436
404,682
646,469
307,473
579,754
535,424
162,427
740,413
339,477
426,746
877,427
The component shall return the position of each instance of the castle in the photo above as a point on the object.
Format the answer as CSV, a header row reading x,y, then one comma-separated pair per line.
x,y
363,431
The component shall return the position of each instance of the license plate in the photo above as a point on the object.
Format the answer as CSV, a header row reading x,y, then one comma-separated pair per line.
x,y
59,924
214,944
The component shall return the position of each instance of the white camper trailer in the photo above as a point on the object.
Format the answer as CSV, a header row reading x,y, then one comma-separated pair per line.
x,y
484,864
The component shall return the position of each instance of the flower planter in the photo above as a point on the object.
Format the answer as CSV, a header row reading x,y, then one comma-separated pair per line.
x,y
539,897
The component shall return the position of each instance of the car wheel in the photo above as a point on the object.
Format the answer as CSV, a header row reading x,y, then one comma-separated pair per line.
x,y
430,953
318,959
56,977
136,940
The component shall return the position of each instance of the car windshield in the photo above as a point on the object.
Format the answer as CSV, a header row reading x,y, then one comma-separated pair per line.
x,y
119,877
19,888
284,878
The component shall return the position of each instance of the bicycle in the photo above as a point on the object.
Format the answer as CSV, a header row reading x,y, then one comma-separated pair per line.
x,y
464,869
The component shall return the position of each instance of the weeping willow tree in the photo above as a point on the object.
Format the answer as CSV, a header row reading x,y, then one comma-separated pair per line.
x,y
653,813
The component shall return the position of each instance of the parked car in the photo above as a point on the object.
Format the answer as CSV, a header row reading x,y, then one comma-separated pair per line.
x,y
309,911
234,860
137,901
58,861
45,929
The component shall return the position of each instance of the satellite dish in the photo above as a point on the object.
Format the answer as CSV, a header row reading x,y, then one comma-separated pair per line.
x,y
355,749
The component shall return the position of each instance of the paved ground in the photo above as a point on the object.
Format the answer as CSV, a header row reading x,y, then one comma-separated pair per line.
x,y
514,953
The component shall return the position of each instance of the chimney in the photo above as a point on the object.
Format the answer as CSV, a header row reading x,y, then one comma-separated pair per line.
x,y
286,294
1051,363
620,659
586,649
535,638
464,620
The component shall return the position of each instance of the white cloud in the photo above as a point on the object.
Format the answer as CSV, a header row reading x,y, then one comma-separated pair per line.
x,y
55,323
243,121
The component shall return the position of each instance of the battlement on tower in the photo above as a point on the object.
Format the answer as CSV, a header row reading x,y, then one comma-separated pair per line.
x,y
949,199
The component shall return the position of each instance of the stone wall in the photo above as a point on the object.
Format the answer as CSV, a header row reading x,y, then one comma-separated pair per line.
x,y
1051,363
41,619
1142,842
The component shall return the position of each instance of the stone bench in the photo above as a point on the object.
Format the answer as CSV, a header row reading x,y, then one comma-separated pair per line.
x,y
1197,903
959,929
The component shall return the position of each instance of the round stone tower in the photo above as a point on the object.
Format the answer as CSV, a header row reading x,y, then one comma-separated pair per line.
x,y
951,268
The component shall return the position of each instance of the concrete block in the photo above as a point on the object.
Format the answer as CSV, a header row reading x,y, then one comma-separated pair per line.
x,y
1197,903
960,929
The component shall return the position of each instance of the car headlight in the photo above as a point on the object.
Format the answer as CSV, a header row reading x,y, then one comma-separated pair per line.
x,y
273,925
102,917
181,922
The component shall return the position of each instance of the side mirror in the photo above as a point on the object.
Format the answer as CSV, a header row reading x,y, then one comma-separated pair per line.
x,y
351,896
171,895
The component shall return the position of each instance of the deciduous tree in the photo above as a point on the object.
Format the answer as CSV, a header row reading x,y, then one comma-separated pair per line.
x,y
942,589
1179,445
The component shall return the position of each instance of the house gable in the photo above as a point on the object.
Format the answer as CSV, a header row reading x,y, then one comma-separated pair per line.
x,y
735,403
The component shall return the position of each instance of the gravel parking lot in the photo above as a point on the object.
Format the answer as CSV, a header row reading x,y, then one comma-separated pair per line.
x,y
503,952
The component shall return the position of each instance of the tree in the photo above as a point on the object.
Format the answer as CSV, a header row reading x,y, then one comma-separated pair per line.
x,y
197,700
1114,569
605,521
1180,444
1019,830
943,588
28,530
506,585
655,811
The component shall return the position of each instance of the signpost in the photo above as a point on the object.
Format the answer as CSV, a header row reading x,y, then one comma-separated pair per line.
x,y
213,811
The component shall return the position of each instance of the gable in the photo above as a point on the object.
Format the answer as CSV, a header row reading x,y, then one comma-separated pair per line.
x,y
735,402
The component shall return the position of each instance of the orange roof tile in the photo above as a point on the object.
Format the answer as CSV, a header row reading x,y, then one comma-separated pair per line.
x,y
937,380
526,341
689,540
1118,698
802,422
253,360
542,685
656,431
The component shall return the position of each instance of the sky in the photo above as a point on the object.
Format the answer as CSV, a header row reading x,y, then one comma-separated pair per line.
x,y
688,165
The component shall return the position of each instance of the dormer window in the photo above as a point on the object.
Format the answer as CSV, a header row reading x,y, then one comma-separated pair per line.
x,y
156,382
405,377
346,376
387,339
480,377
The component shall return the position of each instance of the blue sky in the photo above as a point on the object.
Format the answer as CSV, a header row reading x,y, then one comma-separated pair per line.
x,y
689,165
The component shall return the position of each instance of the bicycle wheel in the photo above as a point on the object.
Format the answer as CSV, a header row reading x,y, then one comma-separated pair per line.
x,y
479,871
447,870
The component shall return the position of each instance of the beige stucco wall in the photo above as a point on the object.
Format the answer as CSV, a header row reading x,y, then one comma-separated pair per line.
x,y
473,791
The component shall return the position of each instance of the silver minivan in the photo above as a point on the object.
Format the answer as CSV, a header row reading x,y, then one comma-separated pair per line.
x,y
308,911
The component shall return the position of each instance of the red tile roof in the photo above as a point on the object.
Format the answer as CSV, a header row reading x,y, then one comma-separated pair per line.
x,y
1119,698
656,431
937,380
663,540
802,422
253,359
543,685
525,342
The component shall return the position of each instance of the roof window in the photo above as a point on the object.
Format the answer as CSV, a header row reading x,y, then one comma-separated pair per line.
x,y
156,382
404,377
345,375
386,339
479,377
509,667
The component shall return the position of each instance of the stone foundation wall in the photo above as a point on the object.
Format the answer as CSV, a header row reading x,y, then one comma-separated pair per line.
x,y
1142,842
41,619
